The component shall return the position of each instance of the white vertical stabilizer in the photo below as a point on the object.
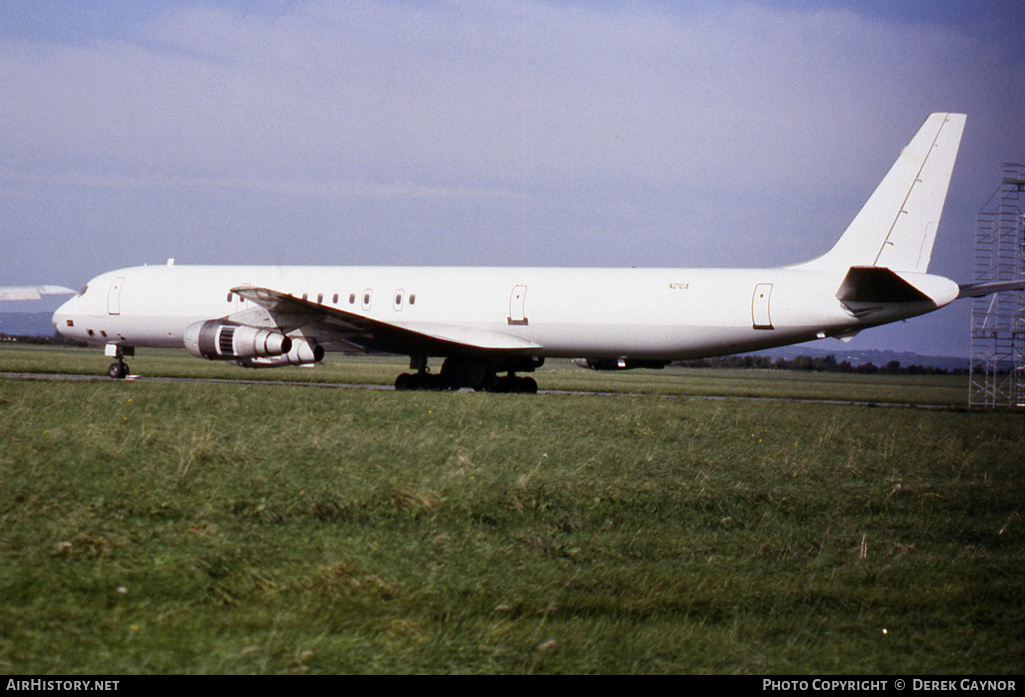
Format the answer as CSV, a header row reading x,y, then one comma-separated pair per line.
x,y
897,226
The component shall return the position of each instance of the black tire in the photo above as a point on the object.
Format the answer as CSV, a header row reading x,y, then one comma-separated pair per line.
x,y
118,371
526,385
435,382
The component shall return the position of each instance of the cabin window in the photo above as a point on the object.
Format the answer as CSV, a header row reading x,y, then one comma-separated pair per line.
x,y
352,298
334,299
320,298
366,298
91,332
229,296
412,298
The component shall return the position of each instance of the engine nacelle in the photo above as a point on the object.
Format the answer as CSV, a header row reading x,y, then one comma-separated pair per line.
x,y
303,353
619,363
219,340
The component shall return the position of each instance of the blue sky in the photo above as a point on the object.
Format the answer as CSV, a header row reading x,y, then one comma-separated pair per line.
x,y
497,133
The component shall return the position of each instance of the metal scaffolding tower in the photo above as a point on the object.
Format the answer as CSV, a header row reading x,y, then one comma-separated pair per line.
x,y
997,372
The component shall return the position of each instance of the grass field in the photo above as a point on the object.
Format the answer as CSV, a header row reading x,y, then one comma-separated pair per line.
x,y
159,527
945,390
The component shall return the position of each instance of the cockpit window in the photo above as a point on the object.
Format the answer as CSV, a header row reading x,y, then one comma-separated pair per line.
x,y
84,289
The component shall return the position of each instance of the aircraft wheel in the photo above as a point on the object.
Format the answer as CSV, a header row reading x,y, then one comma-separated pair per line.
x,y
513,384
118,371
434,381
405,382
526,385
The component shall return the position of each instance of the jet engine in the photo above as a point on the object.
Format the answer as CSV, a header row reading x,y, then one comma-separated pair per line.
x,y
303,352
619,363
220,340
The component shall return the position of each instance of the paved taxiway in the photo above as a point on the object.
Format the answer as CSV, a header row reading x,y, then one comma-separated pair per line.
x,y
357,386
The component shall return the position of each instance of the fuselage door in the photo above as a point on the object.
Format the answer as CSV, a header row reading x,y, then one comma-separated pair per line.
x,y
114,296
760,317
518,306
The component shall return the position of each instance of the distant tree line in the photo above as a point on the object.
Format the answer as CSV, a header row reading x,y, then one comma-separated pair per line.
x,y
53,340
820,364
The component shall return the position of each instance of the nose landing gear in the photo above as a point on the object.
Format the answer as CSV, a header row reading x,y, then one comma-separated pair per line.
x,y
118,370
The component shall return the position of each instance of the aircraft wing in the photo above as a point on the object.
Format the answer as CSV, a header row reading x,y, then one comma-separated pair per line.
x,y
332,324
32,292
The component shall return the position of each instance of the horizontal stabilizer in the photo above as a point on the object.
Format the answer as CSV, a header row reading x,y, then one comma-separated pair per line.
x,y
978,290
874,284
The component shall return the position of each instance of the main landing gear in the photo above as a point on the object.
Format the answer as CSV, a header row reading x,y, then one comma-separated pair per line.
x,y
479,375
419,381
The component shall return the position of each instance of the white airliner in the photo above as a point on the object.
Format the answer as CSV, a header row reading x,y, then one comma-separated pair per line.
x,y
485,322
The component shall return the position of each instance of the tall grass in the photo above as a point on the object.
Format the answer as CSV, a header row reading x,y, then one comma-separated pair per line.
x,y
192,528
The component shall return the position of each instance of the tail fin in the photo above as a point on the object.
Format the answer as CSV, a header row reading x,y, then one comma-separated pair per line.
x,y
897,226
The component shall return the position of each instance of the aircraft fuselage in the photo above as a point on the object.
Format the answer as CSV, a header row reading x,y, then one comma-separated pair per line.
x,y
564,312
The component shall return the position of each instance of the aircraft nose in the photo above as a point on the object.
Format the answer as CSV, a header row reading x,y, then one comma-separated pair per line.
x,y
64,317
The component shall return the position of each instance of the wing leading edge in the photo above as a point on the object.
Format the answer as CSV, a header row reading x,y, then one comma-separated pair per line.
x,y
332,324
32,292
